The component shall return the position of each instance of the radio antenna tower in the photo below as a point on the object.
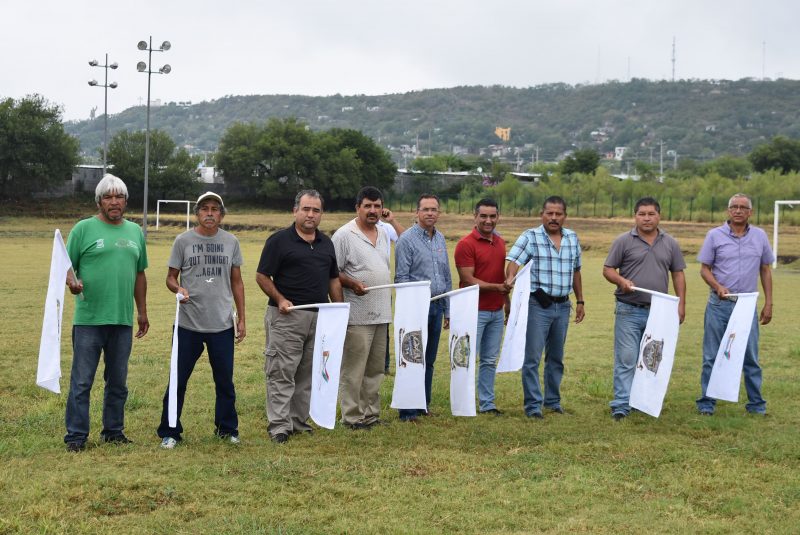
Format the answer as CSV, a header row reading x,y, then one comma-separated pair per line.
x,y
673,58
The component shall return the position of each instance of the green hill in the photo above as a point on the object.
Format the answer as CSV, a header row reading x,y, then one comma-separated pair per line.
x,y
699,119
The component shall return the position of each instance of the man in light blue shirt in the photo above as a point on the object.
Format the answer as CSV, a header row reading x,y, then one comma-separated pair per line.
x,y
733,257
421,255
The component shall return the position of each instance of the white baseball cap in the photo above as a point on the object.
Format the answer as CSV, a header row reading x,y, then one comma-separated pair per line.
x,y
210,195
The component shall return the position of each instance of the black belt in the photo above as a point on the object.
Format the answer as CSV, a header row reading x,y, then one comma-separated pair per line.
x,y
554,299
633,304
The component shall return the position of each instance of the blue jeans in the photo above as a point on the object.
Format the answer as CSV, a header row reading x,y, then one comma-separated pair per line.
x,y
718,312
546,331
490,332
87,342
435,316
220,356
629,327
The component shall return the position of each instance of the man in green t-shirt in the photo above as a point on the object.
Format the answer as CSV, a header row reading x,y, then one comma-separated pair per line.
x,y
109,256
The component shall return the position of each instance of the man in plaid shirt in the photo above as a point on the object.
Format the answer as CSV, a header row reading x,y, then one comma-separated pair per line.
x,y
556,256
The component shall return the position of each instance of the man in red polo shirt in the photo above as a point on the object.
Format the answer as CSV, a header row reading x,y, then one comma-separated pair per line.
x,y
480,259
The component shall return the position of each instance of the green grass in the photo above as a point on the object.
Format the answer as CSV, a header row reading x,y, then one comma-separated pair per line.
x,y
578,472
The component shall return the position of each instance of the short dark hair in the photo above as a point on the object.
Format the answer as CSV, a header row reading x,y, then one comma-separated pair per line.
x,y
486,201
311,193
555,199
428,196
647,201
368,192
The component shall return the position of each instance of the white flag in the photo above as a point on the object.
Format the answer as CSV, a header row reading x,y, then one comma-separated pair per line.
x,y
512,354
172,391
462,345
656,354
48,372
727,371
412,302
328,345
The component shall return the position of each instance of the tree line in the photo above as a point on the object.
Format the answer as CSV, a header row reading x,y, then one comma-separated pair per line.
x,y
268,162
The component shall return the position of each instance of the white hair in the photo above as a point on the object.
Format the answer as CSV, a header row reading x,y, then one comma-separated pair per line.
x,y
110,184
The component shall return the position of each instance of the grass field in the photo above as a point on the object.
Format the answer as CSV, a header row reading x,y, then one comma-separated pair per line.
x,y
578,472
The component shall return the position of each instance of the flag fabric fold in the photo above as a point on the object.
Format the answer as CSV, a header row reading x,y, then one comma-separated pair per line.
x,y
172,391
656,354
48,373
328,347
512,353
412,301
727,371
462,347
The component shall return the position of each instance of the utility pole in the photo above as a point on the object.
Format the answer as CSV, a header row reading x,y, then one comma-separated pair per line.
x,y
661,161
651,155
673,58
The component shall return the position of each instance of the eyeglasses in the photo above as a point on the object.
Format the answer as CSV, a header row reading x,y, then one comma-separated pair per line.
x,y
736,207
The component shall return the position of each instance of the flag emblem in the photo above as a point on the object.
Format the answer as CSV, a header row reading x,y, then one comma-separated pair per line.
x,y
459,351
410,347
652,353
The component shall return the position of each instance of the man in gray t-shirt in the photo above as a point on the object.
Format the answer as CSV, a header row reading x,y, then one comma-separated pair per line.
x,y
207,260
642,257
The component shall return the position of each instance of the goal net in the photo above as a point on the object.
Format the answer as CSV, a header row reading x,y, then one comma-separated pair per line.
x,y
167,201
775,221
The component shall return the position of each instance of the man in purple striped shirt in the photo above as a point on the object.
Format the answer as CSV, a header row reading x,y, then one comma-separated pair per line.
x,y
733,257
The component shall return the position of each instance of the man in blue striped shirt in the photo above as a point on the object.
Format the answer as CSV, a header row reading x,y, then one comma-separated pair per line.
x,y
421,255
556,255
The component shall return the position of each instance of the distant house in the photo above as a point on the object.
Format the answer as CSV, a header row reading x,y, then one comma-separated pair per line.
x,y
209,175
85,178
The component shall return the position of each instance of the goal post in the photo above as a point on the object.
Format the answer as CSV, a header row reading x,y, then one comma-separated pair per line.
x,y
158,209
775,228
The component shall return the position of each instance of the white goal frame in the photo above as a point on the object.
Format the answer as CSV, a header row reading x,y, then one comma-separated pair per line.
x,y
158,210
775,228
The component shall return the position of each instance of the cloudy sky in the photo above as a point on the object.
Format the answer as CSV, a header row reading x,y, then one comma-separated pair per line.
x,y
324,47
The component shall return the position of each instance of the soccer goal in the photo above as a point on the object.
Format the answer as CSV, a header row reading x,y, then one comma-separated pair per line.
x,y
775,228
158,210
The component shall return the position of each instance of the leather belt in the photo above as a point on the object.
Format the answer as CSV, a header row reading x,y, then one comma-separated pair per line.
x,y
633,304
562,299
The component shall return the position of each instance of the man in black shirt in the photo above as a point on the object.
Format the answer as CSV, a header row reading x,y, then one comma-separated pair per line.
x,y
297,267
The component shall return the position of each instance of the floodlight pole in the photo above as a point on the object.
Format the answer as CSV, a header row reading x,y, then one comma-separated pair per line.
x,y
105,87
149,70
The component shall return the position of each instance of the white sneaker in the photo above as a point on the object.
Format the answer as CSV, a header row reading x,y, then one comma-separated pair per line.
x,y
234,440
168,443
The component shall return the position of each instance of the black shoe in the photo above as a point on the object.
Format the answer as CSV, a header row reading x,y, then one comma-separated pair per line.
x,y
496,412
706,412
618,416
359,426
557,410
280,438
536,416
411,420
116,439
377,421
75,447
